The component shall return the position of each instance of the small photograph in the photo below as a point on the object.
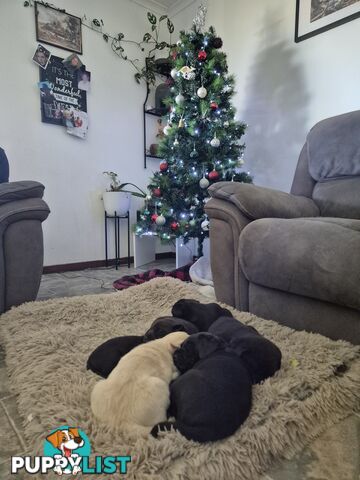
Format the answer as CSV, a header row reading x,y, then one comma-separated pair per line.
x,y
84,79
41,56
72,63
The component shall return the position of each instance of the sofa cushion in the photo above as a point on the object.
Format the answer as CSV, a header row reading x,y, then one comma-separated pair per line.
x,y
313,257
338,198
333,147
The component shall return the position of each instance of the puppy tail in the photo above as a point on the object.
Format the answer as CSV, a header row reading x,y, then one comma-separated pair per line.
x,y
163,427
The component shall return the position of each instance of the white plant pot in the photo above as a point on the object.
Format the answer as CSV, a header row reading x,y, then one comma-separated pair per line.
x,y
118,202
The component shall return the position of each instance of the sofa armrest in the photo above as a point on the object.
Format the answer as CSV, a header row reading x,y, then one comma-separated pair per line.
x,y
13,191
260,202
27,209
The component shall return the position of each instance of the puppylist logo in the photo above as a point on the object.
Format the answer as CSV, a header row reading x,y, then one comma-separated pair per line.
x,y
67,451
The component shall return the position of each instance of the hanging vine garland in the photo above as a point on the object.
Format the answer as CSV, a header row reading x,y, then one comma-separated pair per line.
x,y
149,44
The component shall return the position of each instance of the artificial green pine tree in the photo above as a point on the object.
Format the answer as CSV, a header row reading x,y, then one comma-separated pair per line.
x,y
201,143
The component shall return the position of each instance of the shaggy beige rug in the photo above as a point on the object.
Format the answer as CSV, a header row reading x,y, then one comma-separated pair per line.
x,y
47,344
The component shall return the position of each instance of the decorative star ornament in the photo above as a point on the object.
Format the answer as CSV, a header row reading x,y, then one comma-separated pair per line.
x,y
199,20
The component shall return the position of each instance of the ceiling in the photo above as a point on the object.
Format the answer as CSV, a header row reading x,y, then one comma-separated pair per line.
x,y
164,6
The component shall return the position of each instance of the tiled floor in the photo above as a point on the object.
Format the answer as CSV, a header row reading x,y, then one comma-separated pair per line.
x,y
333,456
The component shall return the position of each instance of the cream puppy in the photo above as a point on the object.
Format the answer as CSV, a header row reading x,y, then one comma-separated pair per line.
x,y
136,395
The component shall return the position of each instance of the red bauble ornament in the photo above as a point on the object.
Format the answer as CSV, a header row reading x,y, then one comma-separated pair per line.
x,y
174,226
213,175
164,166
214,105
202,55
174,54
157,192
154,216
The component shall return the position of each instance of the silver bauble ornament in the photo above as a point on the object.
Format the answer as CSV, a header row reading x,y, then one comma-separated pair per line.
x,y
202,92
179,99
204,183
160,221
205,225
166,129
174,73
215,142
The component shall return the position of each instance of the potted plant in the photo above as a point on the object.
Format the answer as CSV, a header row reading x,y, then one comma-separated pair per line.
x,y
117,198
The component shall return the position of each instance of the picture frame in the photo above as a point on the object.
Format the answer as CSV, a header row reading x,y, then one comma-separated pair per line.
x,y
317,16
58,28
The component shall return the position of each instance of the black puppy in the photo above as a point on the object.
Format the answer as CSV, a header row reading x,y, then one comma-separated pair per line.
x,y
107,355
200,314
164,325
260,355
213,396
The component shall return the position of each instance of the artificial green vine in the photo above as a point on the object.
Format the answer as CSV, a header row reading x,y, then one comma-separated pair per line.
x,y
149,44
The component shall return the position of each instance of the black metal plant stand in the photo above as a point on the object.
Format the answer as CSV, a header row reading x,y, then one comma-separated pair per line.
x,y
117,219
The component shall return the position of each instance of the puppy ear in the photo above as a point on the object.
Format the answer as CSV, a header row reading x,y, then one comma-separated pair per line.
x,y
179,328
207,344
54,438
74,431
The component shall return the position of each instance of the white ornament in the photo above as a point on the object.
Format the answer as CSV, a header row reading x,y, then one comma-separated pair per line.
x,y
174,73
160,221
191,76
176,142
178,43
202,92
215,142
179,99
192,223
166,129
204,183
240,162
205,225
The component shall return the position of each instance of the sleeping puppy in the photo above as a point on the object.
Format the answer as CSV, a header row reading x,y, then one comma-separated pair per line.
x,y
200,314
260,355
136,395
164,325
212,397
106,356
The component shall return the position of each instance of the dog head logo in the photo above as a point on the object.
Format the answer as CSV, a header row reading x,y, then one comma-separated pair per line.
x,y
67,445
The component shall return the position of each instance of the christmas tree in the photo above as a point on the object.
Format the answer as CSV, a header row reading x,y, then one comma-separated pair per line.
x,y
202,139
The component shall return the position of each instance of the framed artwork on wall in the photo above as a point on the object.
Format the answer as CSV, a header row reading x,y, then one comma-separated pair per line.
x,y
58,28
318,16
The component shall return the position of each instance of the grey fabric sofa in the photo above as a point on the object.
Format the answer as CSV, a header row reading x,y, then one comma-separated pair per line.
x,y
22,211
295,258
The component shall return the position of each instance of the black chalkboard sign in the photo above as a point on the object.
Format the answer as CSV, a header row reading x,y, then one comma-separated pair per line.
x,y
59,92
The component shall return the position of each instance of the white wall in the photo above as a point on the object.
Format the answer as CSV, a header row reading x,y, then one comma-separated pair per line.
x,y
71,168
283,87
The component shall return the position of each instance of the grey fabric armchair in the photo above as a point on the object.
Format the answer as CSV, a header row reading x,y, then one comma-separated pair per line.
x,y
22,211
295,258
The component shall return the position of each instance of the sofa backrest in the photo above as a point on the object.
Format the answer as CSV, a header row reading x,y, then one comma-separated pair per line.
x,y
328,169
4,167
